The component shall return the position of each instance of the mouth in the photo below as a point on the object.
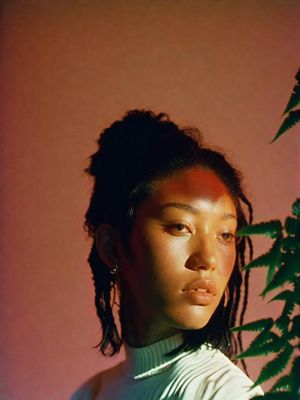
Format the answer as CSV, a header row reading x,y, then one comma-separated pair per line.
x,y
200,292
201,285
197,290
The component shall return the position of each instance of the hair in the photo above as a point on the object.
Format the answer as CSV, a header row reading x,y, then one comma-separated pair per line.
x,y
133,153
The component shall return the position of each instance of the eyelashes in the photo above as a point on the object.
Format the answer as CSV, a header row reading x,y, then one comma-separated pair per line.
x,y
183,229
228,237
178,228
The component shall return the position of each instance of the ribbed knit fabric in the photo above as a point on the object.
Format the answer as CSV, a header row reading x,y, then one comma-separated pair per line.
x,y
150,360
148,374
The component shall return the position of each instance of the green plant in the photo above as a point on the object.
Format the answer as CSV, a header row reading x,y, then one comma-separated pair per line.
x,y
280,335
292,114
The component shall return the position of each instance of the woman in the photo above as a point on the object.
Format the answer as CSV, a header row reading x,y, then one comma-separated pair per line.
x,y
163,216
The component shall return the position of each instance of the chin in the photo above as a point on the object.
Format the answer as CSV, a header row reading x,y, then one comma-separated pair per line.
x,y
196,326
192,323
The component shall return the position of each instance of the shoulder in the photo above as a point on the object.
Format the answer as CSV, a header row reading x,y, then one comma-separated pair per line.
x,y
90,389
214,376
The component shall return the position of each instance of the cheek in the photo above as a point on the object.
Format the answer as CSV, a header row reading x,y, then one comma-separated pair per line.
x,y
148,260
163,264
228,261
160,260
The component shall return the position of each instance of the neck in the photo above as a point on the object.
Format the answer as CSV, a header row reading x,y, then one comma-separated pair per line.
x,y
140,328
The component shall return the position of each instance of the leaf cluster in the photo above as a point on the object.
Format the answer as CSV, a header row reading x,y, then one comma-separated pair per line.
x,y
292,115
281,335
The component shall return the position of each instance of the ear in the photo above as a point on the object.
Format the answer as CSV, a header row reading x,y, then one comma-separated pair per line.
x,y
107,244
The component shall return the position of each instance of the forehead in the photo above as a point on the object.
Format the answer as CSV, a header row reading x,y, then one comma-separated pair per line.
x,y
198,186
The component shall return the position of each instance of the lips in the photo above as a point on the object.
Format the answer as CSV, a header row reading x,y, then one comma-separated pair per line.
x,y
200,292
201,285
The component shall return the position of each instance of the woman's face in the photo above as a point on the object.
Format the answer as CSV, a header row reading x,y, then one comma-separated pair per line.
x,y
182,253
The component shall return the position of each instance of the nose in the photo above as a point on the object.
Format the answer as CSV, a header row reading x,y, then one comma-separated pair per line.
x,y
202,257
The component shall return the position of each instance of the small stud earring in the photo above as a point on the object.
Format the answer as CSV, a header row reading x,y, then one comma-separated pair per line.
x,y
114,271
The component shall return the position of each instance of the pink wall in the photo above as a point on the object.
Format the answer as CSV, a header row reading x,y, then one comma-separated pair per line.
x,y
69,69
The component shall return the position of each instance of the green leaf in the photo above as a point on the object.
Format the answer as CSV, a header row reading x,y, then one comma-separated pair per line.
x,y
288,308
295,96
296,208
292,263
295,329
275,259
276,366
265,337
292,225
272,229
285,295
295,375
256,326
283,383
294,99
296,285
265,349
266,342
292,119
276,396
272,259
283,321
290,243
279,279
286,272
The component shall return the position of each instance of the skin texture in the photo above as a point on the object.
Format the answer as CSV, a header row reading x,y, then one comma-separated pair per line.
x,y
183,232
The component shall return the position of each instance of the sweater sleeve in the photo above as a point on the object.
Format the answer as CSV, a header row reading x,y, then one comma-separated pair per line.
x,y
232,385
236,388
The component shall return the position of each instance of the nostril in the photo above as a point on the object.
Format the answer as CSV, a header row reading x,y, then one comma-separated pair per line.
x,y
198,263
195,265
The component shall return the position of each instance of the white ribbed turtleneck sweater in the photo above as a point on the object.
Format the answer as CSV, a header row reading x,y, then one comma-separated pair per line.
x,y
148,374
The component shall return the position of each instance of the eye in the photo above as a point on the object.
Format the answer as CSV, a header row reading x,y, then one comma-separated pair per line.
x,y
179,228
228,237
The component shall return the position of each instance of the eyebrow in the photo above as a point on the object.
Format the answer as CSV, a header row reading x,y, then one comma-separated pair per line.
x,y
194,210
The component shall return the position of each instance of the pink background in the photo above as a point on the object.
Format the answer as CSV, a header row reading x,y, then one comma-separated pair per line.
x,y
68,69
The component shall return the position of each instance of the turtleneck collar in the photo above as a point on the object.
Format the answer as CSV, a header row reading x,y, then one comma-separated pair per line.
x,y
150,360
